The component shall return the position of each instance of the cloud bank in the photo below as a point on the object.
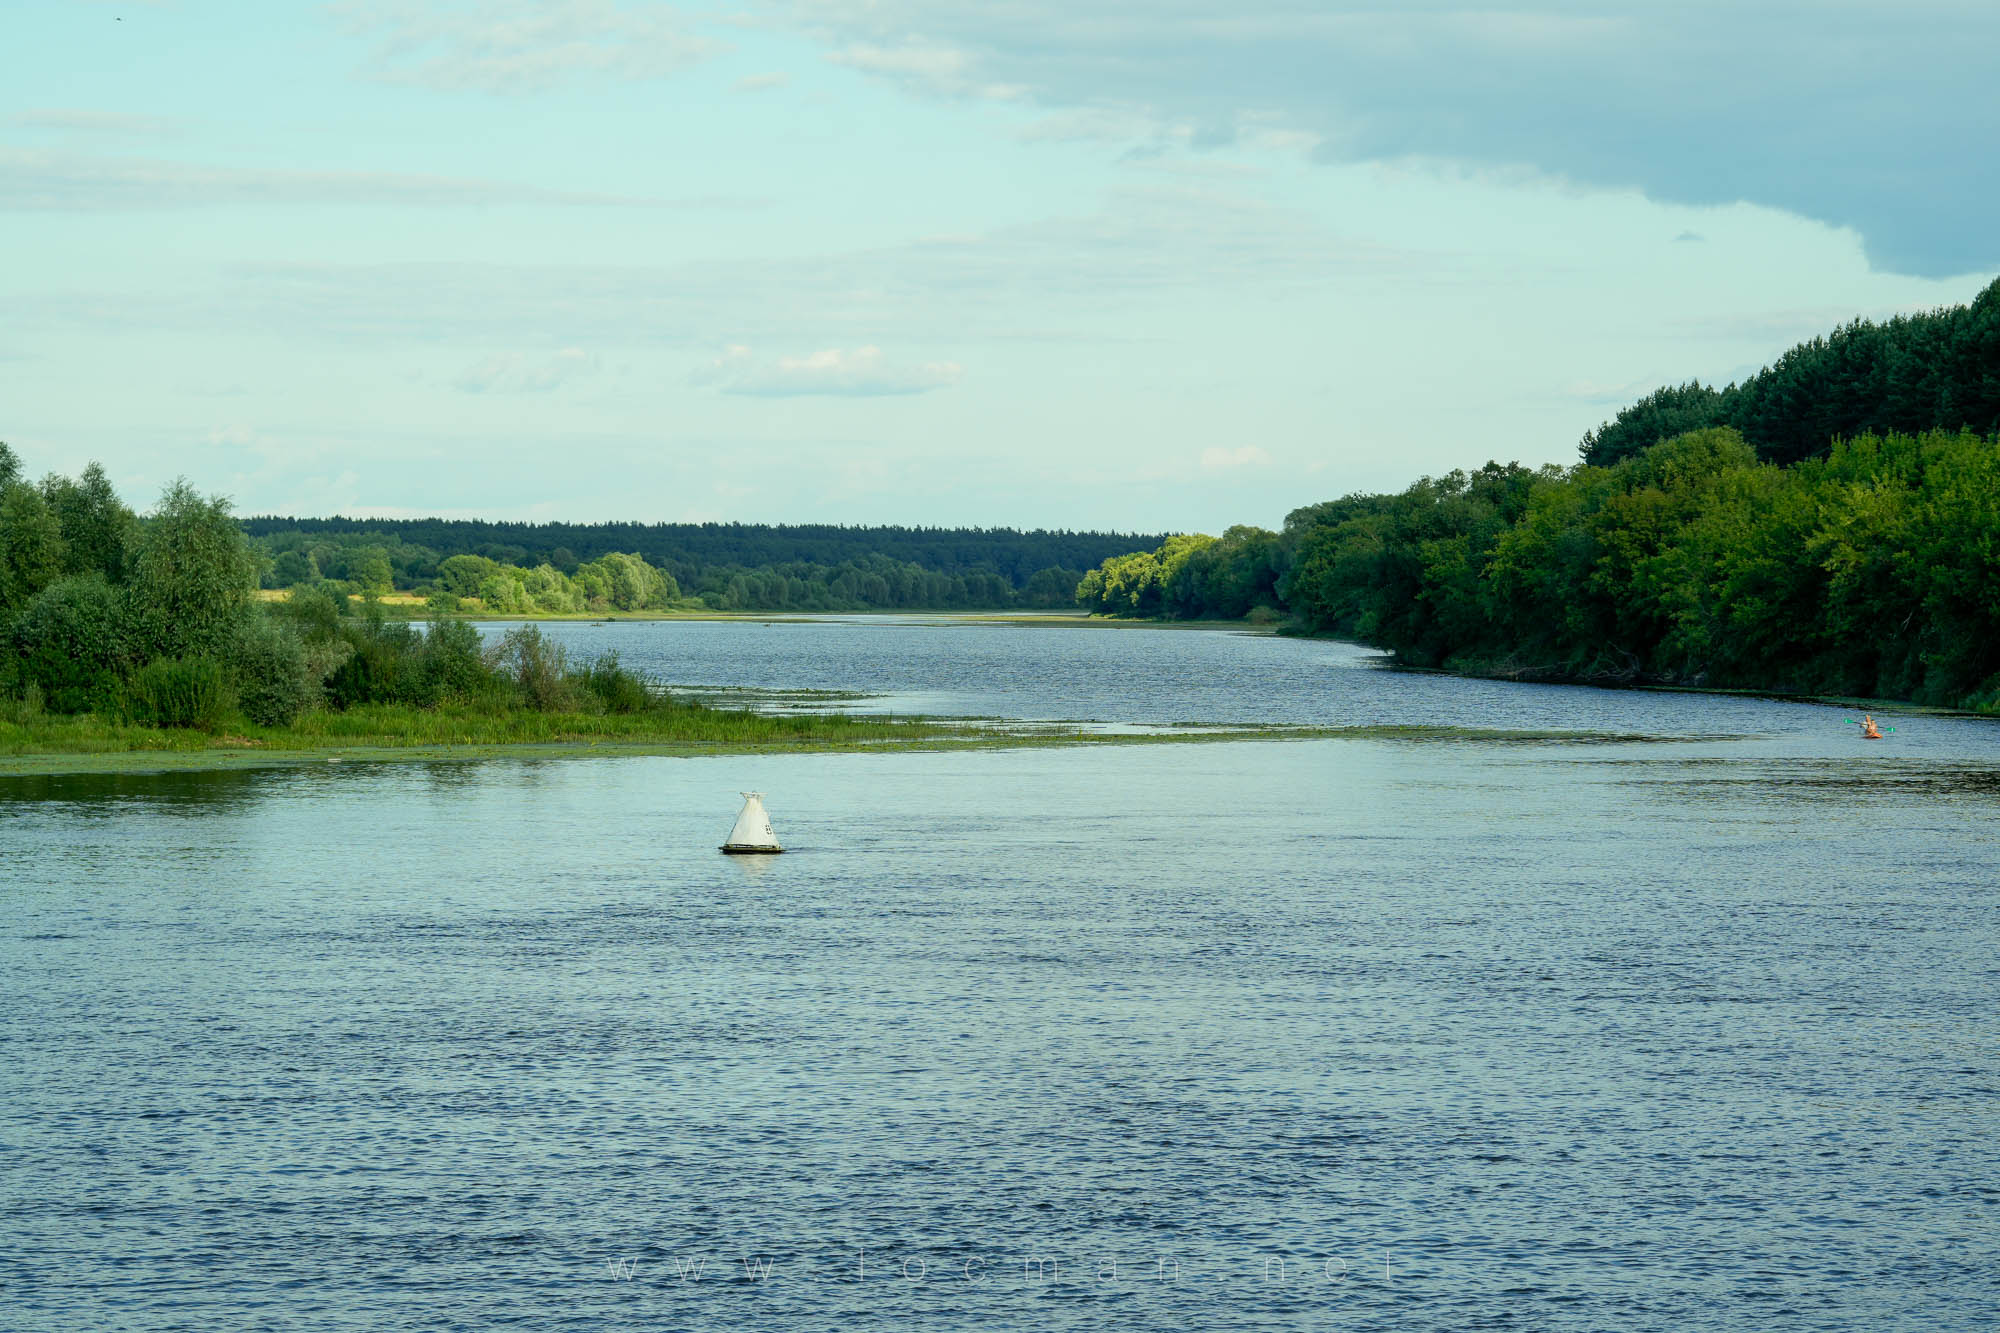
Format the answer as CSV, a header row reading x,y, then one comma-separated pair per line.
x,y
1876,117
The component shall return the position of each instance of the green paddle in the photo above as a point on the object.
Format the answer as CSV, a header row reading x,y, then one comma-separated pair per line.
x,y
1855,722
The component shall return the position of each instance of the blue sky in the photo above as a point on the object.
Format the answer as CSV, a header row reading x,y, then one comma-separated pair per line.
x,y
1163,265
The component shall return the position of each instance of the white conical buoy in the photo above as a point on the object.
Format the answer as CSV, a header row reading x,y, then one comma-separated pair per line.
x,y
753,828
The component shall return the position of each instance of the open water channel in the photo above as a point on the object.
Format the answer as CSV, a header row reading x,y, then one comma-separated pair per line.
x,y
1690,1032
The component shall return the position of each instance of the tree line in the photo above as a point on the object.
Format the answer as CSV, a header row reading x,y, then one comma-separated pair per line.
x,y
1827,527
725,566
365,562
1871,572
1914,373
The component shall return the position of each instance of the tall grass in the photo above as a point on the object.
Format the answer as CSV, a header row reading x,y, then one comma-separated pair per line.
x,y
180,692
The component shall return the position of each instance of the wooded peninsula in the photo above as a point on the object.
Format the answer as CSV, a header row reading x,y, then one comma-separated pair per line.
x,y
1831,526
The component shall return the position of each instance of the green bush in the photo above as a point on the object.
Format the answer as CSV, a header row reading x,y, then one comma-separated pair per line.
x,y
273,683
372,674
179,692
452,665
617,688
538,666
313,613
73,641
383,667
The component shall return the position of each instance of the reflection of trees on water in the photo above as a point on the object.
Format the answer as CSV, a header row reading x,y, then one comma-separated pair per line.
x,y
86,795
451,779
214,791
1841,784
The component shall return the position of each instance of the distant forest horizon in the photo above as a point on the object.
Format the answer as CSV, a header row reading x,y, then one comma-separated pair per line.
x,y
729,566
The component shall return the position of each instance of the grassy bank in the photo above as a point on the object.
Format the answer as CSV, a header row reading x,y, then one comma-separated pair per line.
x,y
376,733
388,726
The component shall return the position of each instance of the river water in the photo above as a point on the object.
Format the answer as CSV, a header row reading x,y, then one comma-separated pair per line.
x,y
1692,1033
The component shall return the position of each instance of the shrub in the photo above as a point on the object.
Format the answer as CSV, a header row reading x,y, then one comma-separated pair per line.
x,y
73,642
179,692
450,663
539,668
313,613
371,674
617,688
383,667
23,711
273,683
323,658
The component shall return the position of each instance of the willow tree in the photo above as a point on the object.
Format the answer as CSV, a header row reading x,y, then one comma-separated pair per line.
x,y
194,577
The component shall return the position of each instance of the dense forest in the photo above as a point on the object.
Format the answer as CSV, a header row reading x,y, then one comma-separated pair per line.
x,y
724,566
1773,551
1914,373
1872,572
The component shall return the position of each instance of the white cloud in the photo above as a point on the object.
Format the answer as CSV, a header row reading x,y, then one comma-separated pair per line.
x,y
757,83
1248,455
513,372
860,373
520,46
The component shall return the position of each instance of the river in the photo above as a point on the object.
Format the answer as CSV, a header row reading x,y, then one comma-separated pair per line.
x,y
1686,1032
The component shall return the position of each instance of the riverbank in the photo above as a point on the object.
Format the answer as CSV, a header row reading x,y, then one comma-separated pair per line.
x,y
1506,672
1896,707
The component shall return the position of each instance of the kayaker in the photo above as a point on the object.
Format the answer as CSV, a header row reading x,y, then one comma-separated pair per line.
x,y
1869,731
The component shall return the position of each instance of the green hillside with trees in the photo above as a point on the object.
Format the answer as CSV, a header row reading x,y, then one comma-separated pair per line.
x,y
1776,551
1910,374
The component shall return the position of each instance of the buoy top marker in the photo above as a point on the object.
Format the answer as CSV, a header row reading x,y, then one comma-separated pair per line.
x,y
752,832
